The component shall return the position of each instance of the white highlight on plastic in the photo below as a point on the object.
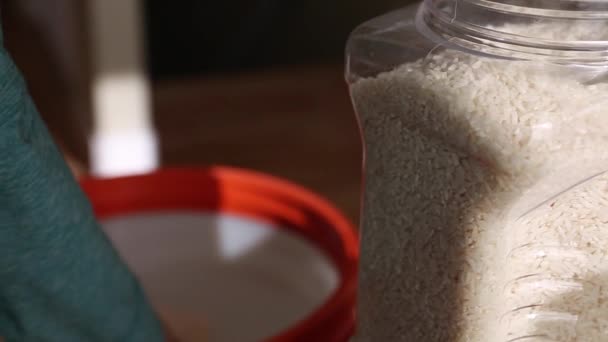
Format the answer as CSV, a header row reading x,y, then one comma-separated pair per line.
x,y
124,141
235,242
122,153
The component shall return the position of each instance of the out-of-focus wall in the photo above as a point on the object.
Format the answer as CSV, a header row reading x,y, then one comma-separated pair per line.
x,y
192,36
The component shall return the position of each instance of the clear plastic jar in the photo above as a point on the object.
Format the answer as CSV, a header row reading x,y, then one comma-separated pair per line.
x,y
485,126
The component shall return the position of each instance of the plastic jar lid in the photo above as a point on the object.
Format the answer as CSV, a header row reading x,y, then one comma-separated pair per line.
x,y
260,197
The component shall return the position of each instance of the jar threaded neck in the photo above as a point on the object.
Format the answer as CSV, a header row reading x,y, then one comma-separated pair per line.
x,y
561,31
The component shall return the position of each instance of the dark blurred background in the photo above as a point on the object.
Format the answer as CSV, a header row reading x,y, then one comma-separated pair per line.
x,y
255,84
193,37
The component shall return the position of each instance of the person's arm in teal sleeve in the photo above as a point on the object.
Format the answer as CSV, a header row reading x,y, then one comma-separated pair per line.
x,y
60,279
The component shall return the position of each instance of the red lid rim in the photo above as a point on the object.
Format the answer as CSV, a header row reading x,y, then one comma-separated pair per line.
x,y
259,196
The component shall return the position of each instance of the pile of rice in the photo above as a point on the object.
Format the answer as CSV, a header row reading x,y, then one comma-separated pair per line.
x,y
477,225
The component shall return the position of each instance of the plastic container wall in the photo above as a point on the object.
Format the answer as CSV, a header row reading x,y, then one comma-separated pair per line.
x,y
485,126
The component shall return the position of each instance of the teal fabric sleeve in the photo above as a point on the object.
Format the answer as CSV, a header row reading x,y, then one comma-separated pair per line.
x,y
60,278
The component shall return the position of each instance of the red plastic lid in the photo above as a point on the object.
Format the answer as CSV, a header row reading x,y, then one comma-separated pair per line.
x,y
258,196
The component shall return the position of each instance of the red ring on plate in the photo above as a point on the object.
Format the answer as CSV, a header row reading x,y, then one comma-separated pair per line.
x,y
258,196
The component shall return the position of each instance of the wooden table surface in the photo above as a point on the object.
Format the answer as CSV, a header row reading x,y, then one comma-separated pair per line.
x,y
296,123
